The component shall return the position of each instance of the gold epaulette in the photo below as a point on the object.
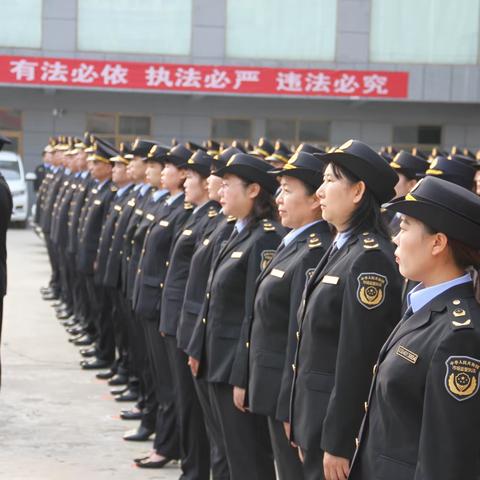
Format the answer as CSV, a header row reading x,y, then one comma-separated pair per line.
x,y
212,212
267,226
369,241
231,219
314,241
460,315
188,206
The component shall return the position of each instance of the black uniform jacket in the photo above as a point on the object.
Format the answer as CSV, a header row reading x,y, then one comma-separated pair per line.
x,y
115,254
79,199
184,244
50,198
90,231
62,196
350,306
6,205
191,330
229,299
154,258
106,236
272,340
423,411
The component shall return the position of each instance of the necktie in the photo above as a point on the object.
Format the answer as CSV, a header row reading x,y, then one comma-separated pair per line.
x,y
333,251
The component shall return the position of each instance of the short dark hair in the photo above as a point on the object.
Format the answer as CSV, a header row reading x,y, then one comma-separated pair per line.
x,y
367,216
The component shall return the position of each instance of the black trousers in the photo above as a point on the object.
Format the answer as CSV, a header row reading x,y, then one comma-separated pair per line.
x,y
287,460
52,256
194,445
167,441
218,455
313,464
65,279
246,437
120,331
101,316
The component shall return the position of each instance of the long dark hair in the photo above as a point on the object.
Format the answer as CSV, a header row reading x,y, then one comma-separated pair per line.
x,y
264,206
367,216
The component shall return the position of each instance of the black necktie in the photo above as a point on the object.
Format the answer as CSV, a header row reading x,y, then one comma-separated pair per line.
x,y
333,251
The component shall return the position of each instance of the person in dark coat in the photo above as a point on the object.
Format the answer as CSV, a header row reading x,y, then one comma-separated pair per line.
x,y
270,345
423,411
6,205
350,305
247,194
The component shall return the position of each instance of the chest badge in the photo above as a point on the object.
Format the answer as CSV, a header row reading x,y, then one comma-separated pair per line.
x,y
371,289
407,354
461,379
267,256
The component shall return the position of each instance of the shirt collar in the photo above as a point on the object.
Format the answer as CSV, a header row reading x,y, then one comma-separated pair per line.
x,y
198,207
78,174
68,171
240,224
171,199
159,194
341,239
84,174
293,234
122,190
100,185
420,296
144,189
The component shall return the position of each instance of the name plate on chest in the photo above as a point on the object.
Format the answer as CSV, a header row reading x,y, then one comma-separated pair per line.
x,y
330,279
407,354
236,255
277,273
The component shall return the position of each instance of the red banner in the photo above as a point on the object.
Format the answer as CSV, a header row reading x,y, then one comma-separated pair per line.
x,y
81,73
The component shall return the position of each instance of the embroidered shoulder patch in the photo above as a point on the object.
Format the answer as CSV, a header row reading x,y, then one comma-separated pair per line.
x,y
461,379
267,255
371,289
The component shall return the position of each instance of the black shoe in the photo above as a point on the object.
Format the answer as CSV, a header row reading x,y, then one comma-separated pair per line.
x,y
44,290
95,364
76,330
106,375
88,352
144,463
64,314
127,396
141,434
118,391
50,296
132,414
118,379
58,305
69,323
83,341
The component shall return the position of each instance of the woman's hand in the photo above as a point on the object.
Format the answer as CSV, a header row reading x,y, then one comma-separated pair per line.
x,y
193,363
335,468
239,398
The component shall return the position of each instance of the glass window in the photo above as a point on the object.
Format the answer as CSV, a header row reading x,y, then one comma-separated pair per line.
x,y
230,129
101,123
10,120
21,24
412,135
283,29
424,31
135,26
134,125
314,131
285,130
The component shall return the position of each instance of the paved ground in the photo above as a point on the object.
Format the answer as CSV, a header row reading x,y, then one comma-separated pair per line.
x,y
56,421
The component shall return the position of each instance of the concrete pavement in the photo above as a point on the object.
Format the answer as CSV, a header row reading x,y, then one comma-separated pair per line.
x,y
57,422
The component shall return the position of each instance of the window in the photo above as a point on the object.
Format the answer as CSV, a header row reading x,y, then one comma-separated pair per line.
x,y
11,127
21,24
424,31
135,26
228,129
410,136
115,128
298,131
283,29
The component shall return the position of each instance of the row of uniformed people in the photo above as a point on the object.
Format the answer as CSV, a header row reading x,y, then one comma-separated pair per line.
x,y
224,296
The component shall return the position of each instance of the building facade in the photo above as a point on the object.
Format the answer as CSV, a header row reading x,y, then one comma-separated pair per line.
x,y
439,107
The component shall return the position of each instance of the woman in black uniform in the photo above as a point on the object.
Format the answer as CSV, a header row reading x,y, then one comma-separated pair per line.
x,y
423,414
349,307
247,194
272,336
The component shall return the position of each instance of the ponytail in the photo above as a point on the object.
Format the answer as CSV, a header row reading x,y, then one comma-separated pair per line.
x,y
468,258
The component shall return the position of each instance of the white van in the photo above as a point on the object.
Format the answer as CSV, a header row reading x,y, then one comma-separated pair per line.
x,y
11,167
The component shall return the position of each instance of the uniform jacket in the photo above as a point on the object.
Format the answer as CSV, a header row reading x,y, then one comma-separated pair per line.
x,y
154,259
272,337
152,212
90,232
106,235
423,413
41,193
50,198
6,205
79,199
216,233
184,244
229,299
59,234
59,201
349,307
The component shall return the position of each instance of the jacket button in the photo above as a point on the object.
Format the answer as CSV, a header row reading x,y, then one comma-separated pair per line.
x,y
374,369
298,335
208,295
132,242
204,320
293,366
357,442
365,405
247,344
161,285
167,263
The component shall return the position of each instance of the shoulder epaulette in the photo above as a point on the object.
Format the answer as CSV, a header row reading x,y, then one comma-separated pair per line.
x,y
212,212
314,241
231,219
459,315
267,226
113,188
188,206
369,241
